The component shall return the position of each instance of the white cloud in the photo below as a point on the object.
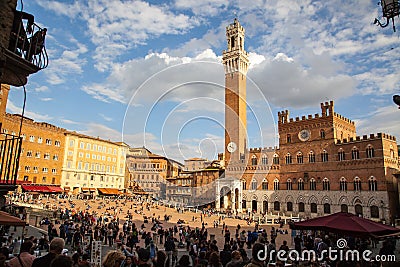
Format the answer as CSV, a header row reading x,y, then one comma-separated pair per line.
x,y
203,8
42,88
12,108
46,99
380,120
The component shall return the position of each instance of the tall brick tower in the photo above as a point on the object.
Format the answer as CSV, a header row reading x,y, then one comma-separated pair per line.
x,y
236,62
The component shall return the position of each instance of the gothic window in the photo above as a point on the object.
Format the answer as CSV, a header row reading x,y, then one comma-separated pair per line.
x,y
299,158
264,160
289,184
327,208
343,184
358,210
374,212
341,155
344,208
301,207
254,160
357,184
372,184
288,138
264,185
326,185
289,206
288,158
313,207
370,152
244,185
311,157
300,184
391,152
355,153
322,134
254,184
276,184
324,156
313,184
275,159
277,206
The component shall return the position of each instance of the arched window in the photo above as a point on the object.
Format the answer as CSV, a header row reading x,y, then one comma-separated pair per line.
x,y
326,185
322,134
264,160
300,184
343,184
299,157
391,152
311,157
355,153
277,206
254,160
324,156
288,138
289,206
370,151
301,207
244,186
313,208
254,184
264,185
341,155
275,159
276,184
357,184
374,212
288,158
372,184
313,184
327,208
289,184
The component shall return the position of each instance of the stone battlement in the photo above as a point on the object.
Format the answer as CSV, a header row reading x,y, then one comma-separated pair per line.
x,y
29,121
366,138
327,109
259,149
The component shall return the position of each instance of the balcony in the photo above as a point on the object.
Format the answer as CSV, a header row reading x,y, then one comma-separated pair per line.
x,y
26,54
10,150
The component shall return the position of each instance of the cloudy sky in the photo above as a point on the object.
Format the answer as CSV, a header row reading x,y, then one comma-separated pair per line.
x,y
149,73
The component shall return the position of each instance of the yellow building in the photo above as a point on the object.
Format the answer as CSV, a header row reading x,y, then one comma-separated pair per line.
x,y
92,164
42,149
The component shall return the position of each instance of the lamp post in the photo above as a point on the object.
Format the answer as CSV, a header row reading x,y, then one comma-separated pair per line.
x,y
390,9
396,100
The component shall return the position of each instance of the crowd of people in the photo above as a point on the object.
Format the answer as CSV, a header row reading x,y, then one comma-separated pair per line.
x,y
152,242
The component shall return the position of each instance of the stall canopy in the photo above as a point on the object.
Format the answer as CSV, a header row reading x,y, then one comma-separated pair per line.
x,y
7,219
109,191
42,188
346,224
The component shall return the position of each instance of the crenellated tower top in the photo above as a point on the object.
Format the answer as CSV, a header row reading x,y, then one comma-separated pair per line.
x,y
235,58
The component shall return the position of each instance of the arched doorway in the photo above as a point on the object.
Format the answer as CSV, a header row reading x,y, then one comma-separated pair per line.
x,y
277,206
344,208
254,206
225,201
265,206
236,199
358,210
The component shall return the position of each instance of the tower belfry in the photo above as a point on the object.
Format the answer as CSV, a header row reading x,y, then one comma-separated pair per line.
x,y
236,62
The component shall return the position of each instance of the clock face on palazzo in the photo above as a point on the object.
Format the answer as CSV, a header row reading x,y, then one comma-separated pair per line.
x,y
304,135
231,147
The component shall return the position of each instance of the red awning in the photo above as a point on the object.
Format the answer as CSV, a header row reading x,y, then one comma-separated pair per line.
x,y
42,188
347,224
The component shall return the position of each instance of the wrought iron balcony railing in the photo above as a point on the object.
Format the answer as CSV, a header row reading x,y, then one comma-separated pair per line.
x,y
27,41
10,150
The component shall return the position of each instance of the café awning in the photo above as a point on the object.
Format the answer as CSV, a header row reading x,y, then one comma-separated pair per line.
x,y
42,188
109,191
7,219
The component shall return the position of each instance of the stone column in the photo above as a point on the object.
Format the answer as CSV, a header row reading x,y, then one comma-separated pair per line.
x,y
217,204
233,199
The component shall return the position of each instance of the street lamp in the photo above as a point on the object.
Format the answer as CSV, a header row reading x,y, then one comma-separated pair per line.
x,y
390,9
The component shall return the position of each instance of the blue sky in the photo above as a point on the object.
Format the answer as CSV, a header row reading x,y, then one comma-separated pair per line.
x,y
149,72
